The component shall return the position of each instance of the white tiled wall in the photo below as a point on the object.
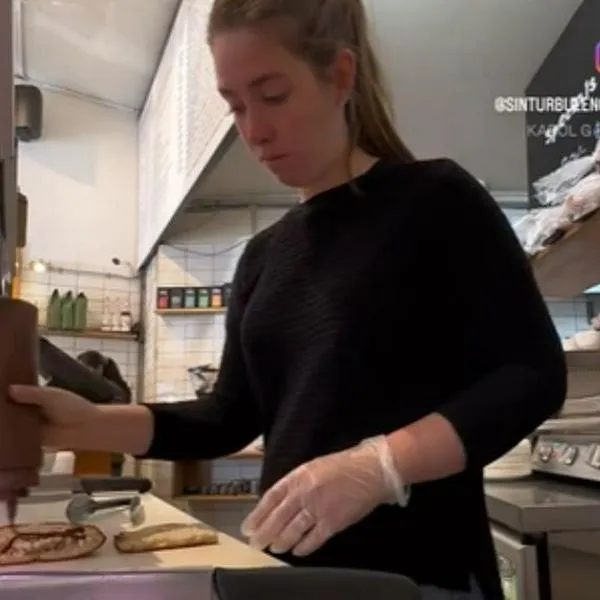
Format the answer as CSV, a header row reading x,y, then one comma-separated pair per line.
x,y
206,254
203,256
149,325
160,473
37,288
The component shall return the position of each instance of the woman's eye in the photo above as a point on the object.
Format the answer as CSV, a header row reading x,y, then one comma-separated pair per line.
x,y
235,110
280,99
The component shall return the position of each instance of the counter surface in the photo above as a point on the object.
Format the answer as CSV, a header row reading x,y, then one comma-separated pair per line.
x,y
228,553
539,505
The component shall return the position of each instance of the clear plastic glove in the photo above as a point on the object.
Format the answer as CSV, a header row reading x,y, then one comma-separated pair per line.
x,y
323,497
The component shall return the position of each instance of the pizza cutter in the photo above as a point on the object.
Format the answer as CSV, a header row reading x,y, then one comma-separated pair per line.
x,y
82,507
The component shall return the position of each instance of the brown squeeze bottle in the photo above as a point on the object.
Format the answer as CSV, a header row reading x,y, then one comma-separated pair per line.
x,y
20,426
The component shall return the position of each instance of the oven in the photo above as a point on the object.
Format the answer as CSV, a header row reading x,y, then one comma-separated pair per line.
x,y
557,566
546,528
518,564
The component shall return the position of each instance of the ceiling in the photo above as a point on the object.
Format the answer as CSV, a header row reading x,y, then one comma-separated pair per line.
x,y
106,49
445,61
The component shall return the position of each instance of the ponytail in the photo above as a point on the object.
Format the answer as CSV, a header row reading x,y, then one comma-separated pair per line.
x,y
369,115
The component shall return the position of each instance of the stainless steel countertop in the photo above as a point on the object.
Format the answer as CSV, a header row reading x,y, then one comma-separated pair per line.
x,y
542,505
150,585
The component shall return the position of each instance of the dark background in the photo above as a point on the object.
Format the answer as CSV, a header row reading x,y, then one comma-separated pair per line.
x,y
563,73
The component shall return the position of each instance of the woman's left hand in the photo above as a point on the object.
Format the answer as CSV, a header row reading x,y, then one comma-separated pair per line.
x,y
317,500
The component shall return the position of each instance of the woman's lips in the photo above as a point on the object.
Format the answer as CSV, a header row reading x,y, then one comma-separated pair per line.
x,y
271,160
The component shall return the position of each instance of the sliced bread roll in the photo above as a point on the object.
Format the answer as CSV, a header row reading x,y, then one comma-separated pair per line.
x,y
167,536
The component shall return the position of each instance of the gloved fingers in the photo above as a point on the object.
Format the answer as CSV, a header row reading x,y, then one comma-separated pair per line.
x,y
266,505
300,524
274,523
313,540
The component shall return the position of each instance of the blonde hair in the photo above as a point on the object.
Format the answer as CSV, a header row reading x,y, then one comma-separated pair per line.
x,y
316,30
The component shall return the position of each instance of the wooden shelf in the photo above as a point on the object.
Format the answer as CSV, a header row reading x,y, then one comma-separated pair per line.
x,y
582,359
572,264
190,311
196,474
96,334
218,498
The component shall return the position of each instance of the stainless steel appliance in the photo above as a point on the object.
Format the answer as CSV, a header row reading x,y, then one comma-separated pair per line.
x,y
547,537
546,528
210,584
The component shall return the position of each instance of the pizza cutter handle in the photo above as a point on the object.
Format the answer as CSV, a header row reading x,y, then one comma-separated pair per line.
x,y
92,485
112,503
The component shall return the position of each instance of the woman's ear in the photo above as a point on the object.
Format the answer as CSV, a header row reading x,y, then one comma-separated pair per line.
x,y
344,75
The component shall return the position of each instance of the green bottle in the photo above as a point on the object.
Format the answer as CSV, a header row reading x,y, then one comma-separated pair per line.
x,y
80,312
67,311
53,318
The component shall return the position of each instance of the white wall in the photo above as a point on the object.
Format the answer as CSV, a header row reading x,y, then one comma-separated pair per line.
x,y
81,182
205,254
101,291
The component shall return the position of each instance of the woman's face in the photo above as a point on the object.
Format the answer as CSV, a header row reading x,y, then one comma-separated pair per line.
x,y
292,121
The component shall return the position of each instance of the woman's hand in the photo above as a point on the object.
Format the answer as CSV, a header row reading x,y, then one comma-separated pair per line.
x,y
317,500
66,415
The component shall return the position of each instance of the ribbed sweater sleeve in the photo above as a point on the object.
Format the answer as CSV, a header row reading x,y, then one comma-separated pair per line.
x,y
511,337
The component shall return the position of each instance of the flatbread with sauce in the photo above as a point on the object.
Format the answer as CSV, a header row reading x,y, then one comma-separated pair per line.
x,y
167,536
46,542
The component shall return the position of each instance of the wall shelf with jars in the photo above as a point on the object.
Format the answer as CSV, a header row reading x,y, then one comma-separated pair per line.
x,y
191,300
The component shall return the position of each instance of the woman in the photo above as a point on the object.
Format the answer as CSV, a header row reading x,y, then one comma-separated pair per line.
x,y
108,368
336,349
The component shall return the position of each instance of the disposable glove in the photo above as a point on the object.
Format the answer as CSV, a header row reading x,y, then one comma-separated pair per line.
x,y
323,497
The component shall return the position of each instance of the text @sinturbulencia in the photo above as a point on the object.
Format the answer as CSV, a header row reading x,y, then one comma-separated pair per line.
x,y
583,103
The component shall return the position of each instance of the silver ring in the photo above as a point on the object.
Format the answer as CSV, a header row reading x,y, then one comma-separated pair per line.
x,y
308,519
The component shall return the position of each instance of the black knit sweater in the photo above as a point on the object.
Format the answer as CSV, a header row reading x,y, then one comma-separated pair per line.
x,y
362,310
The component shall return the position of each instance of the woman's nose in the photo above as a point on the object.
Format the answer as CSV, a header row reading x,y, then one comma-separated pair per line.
x,y
256,130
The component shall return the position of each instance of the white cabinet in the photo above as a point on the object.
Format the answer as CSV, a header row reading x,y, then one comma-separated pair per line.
x,y
7,134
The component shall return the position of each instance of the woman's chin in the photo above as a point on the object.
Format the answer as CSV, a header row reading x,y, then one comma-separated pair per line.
x,y
287,177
